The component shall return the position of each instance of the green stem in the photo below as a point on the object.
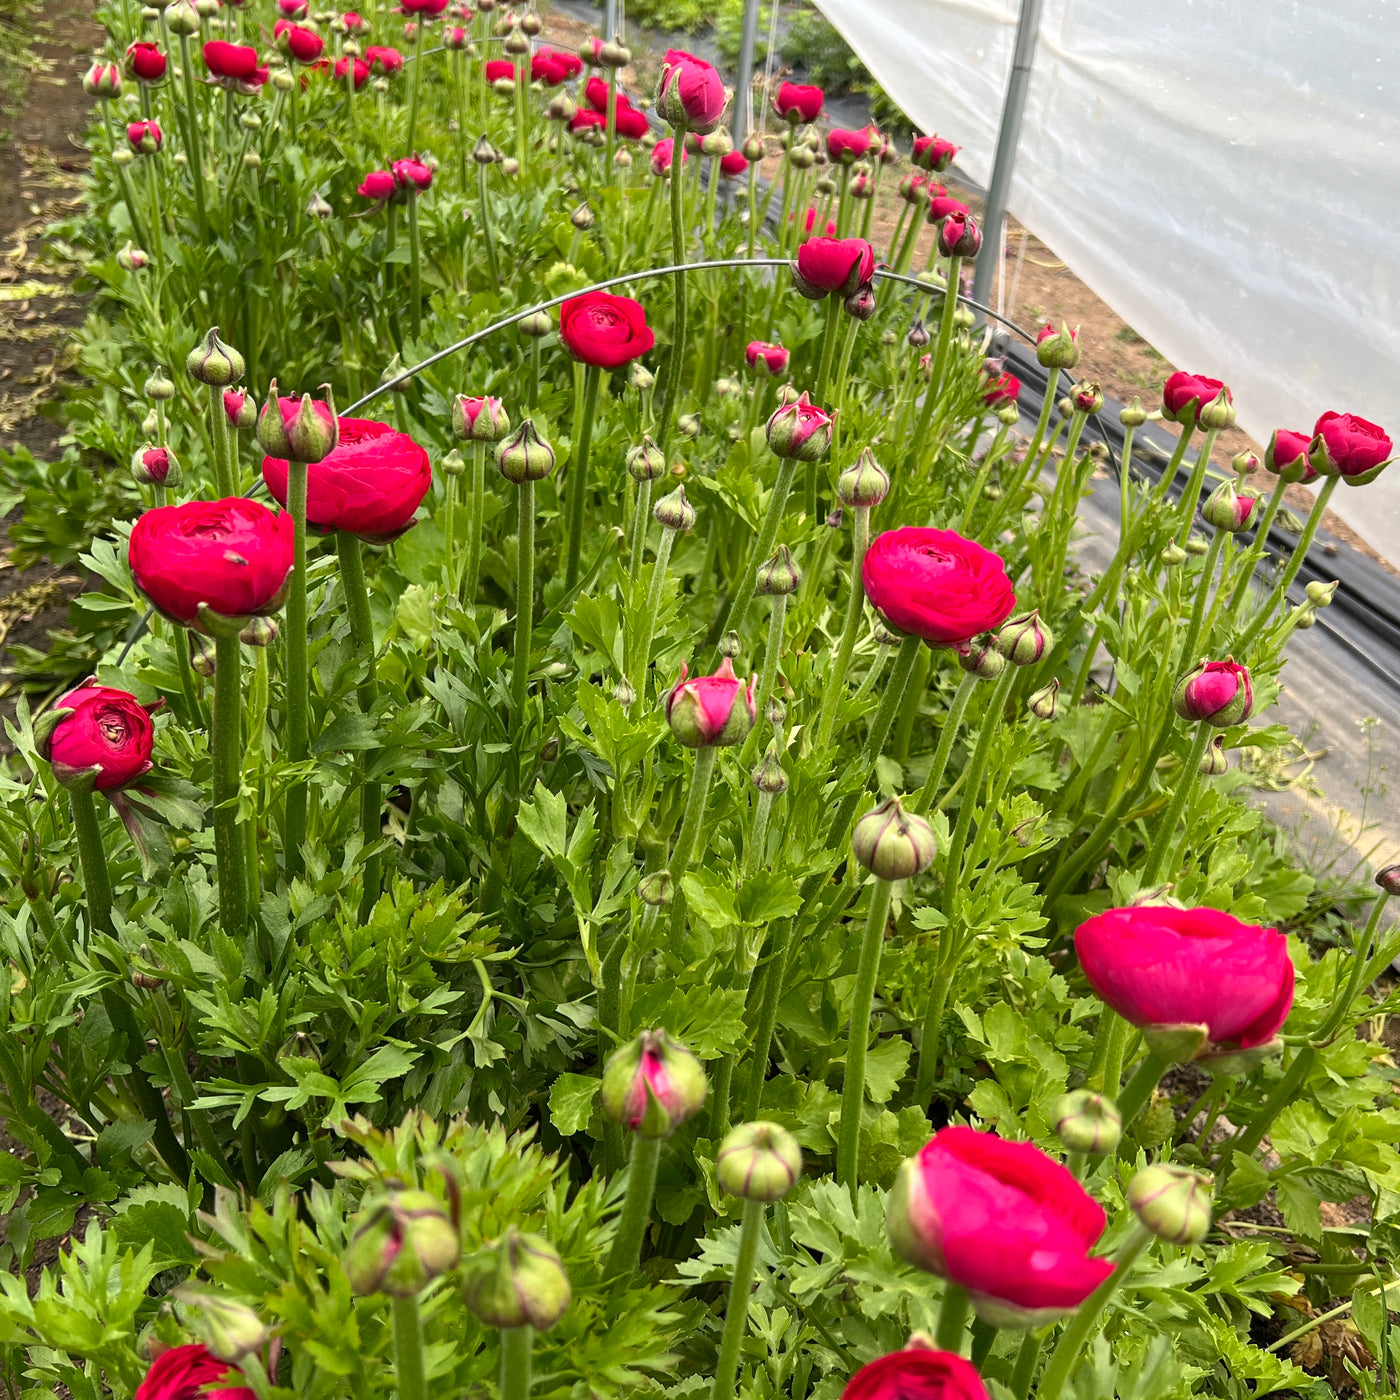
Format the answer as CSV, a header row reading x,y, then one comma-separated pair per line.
x,y
1196,626
517,1355
952,1318
92,860
774,974
1164,483
858,1038
219,429
578,483
834,683
1360,955
641,656
767,536
736,1314
486,232
474,525
1280,593
1255,552
1139,1089
417,83
352,579
768,676
298,675
610,124
1191,497
940,361
408,1350
1081,1325
1282,1094
829,337
196,151
675,363
524,602
227,743
1026,1358
1185,784
415,283
947,736
636,1208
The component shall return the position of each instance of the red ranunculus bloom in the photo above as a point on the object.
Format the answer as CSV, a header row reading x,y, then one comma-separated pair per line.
x,y
943,206
1185,395
353,21
144,137
798,102
704,712
630,123
1347,446
1219,692
691,93
342,66
1005,388
1287,456
304,45
936,585
232,555
601,329
236,62
551,67
369,485
845,147
766,358
182,1373
586,117
108,729
384,60
733,164
595,93
293,9
498,68
917,1373
145,61
837,265
430,8
933,152
378,184
661,156
1002,1220
413,172
1157,965
809,223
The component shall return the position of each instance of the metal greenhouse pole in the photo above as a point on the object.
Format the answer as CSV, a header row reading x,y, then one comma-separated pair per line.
x,y
739,124
1008,139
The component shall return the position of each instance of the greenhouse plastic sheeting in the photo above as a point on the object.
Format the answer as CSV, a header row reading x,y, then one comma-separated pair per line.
x,y
1225,175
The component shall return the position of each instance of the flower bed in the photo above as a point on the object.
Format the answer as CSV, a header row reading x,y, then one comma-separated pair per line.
x,y
619,880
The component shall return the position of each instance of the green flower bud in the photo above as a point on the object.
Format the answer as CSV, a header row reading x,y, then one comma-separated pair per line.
x,y
1172,557
1320,594
260,632
583,217
519,1283
228,1329
1024,639
981,658
156,466
1009,415
452,464
484,153
614,54
640,377
202,654
864,484
1172,1202
1218,413
1087,1122
524,455
893,844
535,325
516,43
652,1085
213,362
778,575
1227,510
1245,463
769,775
758,1162
1214,761
1133,415
182,18
645,461
657,889
304,430
688,425
158,387
1196,546
402,1242
1044,703
1058,349
674,512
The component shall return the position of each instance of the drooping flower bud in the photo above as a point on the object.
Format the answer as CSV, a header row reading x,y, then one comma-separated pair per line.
x,y
1087,1122
156,466
893,844
645,461
758,1162
770,776
1057,349
674,512
202,654
1213,761
1173,1202
864,484
652,1085
753,148
711,711
524,455
1218,692
730,645
1023,640
1045,702
213,362
800,431
482,419
260,632
918,336
1228,510
403,1241
519,1283
861,304
778,575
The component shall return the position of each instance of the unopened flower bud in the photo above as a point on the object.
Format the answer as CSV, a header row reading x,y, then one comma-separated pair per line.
x,y
484,153
1214,761
674,512
158,387
1218,413
1173,1202
402,1242
240,408
452,463
299,1046
981,658
561,108
1388,879
770,775
861,303
524,455
730,645
156,466
516,43
1172,557
1304,617
1065,407
918,336
283,81
202,653
758,1162
645,461
479,419
688,425
1008,414
213,362
1058,349
657,889
1087,1122
1246,463
1024,639
536,324
260,632
825,185
307,435
800,431
1227,509
893,844
753,148
778,575
123,156
317,206
531,23
864,484
519,1283
640,377
582,217
148,975
614,55
652,1085
711,711
1218,692
182,18
1196,545
1133,415
1044,703
1320,594
1088,398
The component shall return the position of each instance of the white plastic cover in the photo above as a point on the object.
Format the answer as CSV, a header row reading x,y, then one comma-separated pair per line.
x,y
1224,173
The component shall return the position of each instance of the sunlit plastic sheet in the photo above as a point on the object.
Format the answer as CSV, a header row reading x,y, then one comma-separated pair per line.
x,y
1225,175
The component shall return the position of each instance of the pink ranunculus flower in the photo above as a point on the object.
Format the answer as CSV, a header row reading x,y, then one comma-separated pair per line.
x,y
1219,692
827,265
766,359
709,711
691,94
